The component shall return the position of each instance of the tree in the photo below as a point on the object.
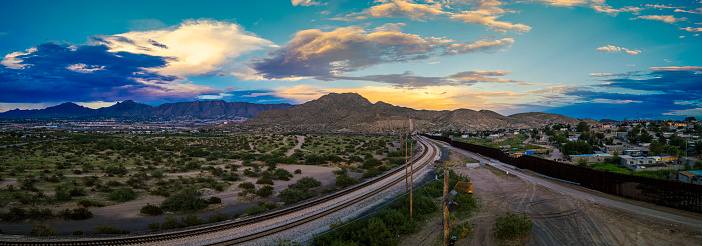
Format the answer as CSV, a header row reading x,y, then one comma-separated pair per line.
x,y
185,200
583,127
655,148
344,180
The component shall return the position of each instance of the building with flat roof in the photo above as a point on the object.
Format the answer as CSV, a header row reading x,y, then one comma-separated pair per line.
x,y
693,177
590,157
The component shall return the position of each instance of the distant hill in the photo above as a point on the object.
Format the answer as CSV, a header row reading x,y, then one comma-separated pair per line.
x,y
350,112
129,108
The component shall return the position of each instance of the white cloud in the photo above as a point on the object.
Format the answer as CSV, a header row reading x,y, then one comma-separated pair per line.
x,y
692,29
663,18
615,49
601,74
198,46
696,11
304,2
11,60
83,68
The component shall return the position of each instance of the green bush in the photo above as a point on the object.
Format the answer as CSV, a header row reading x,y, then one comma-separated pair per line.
x,y
154,226
170,223
265,191
106,229
214,200
123,195
89,203
344,180
193,220
370,163
76,214
247,186
511,226
77,233
298,171
217,217
62,195
185,200
262,207
371,172
150,209
43,230
39,214
264,180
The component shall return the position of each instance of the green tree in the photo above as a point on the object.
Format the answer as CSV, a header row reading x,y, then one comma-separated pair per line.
x,y
583,127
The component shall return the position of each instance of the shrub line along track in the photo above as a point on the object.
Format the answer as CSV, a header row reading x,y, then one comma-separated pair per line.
x,y
183,234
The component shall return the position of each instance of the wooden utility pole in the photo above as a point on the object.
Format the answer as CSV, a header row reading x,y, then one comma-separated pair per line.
x,y
402,143
446,210
411,179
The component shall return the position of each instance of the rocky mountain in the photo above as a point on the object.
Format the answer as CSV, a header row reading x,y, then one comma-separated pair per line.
x,y
350,112
129,108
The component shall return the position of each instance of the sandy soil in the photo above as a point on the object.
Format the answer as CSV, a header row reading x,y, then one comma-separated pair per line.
x,y
126,215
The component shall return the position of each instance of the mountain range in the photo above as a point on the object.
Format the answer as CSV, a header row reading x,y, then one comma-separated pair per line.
x,y
198,109
350,112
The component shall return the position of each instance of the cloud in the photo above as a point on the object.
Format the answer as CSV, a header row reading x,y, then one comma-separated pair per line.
x,y
597,5
663,18
324,55
146,25
485,12
198,47
408,80
601,74
685,68
87,73
615,49
692,29
397,9
304,3
696,11
660,6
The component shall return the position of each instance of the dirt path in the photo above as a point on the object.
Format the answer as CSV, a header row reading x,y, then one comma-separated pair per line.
x,y
300,141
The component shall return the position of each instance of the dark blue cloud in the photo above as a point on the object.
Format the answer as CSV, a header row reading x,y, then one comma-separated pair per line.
x,y
660,92
252,96
57,72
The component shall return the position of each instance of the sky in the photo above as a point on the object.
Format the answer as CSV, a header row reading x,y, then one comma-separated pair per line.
x,y
581,58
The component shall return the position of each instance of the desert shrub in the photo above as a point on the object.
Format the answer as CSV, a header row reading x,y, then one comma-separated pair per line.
x,y
170,223
120,170
371,172
154,226
89,203
107,229
305,183
214,200
43,230
298,171
217,217
260,208
264,181
265,191
76,214
62,195
15,214
511,226
77,233
370,163
150,209
39,214
247,186
343,181
123,195
184,200
193,220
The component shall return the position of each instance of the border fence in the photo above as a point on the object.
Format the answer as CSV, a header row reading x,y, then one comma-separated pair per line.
x,y
668,193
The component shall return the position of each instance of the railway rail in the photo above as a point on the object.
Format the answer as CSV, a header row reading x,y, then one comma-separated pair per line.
x,y
192,232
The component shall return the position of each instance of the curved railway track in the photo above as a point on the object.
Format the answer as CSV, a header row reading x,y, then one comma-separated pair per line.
x,y
192,232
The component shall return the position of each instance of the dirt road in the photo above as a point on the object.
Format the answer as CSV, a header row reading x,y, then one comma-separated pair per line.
x,y
570,215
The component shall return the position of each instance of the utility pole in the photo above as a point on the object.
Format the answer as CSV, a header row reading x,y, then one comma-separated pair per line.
x,y
402,143
411,169
446,210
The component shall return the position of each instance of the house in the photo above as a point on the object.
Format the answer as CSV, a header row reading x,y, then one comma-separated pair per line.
x,y
693,177
590,157
635,152
573,137
651,163
613,149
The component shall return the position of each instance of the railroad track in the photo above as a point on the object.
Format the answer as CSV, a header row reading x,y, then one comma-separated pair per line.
x,y
187,233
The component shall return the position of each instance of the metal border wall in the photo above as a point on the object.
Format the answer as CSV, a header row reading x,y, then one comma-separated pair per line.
x,y
668,193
